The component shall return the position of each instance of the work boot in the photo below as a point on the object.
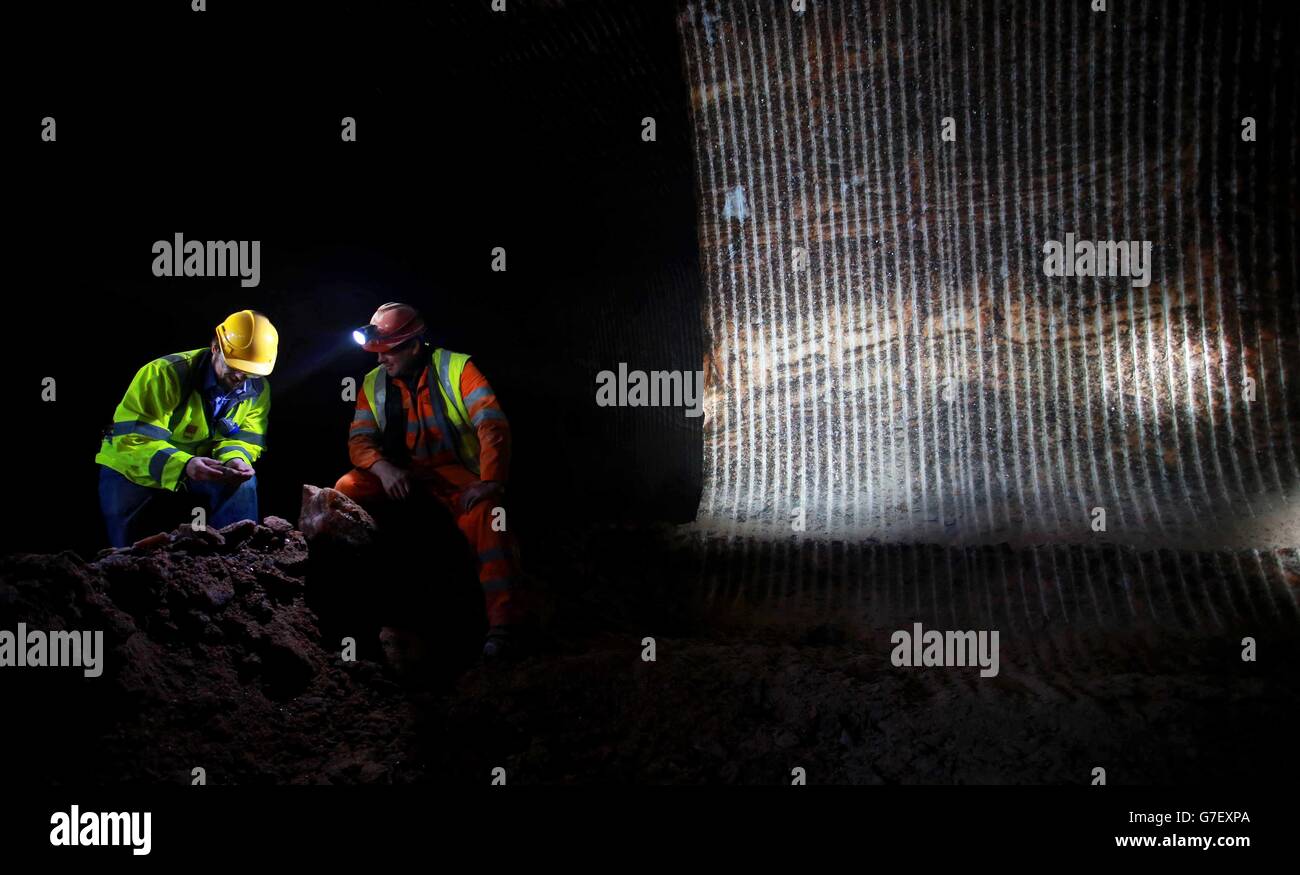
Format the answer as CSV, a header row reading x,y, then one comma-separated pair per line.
x,y
403,650
499,646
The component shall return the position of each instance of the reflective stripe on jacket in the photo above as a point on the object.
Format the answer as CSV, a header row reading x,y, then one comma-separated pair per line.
x,y
155,432
466,424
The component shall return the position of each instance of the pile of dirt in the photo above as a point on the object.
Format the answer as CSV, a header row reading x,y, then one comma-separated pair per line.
x,y
213,660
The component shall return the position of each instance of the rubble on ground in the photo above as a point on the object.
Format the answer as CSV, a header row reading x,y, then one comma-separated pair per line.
x,y
221,656
215,660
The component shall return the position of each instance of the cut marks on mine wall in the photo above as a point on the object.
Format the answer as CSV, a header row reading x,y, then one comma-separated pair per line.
x,y
888,358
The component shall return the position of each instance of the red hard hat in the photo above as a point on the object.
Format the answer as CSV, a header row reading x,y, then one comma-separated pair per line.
x,y
395,324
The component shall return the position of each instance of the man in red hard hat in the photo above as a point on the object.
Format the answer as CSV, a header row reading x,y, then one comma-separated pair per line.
x,y
428,421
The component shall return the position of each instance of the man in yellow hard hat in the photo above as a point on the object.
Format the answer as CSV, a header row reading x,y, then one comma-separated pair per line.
x,y
192,422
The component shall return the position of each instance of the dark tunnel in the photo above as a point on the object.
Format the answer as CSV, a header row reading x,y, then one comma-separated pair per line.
x,y
921,400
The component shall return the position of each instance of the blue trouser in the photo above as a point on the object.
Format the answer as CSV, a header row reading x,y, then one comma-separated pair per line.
x,y
125,504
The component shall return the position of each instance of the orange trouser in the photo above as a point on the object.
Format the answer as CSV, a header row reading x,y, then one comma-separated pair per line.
x,y
498,558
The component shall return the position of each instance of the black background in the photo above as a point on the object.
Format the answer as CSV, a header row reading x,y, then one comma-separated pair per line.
x,y
475,130
793,824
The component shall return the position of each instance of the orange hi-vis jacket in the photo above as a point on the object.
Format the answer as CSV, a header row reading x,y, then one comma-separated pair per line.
x,y
430,443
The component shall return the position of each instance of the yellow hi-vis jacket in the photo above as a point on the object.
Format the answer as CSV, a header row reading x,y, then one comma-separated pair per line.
x,y
156,432
452,415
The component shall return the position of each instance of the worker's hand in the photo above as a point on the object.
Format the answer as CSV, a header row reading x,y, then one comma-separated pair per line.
x,y
397,481
479,491
238,469
203,469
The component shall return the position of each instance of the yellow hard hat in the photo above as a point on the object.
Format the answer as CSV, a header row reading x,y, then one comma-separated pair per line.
x,y
249,342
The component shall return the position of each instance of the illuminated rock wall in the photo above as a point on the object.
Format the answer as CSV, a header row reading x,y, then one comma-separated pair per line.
x,y
887,358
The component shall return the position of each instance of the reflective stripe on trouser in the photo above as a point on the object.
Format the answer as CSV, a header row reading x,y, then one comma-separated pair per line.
x,y
498,558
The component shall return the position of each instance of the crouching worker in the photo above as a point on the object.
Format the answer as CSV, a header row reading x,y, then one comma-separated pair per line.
x,y
427,423
191,423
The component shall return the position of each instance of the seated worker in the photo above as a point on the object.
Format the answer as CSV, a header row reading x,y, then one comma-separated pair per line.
x,y
427,422
192,422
